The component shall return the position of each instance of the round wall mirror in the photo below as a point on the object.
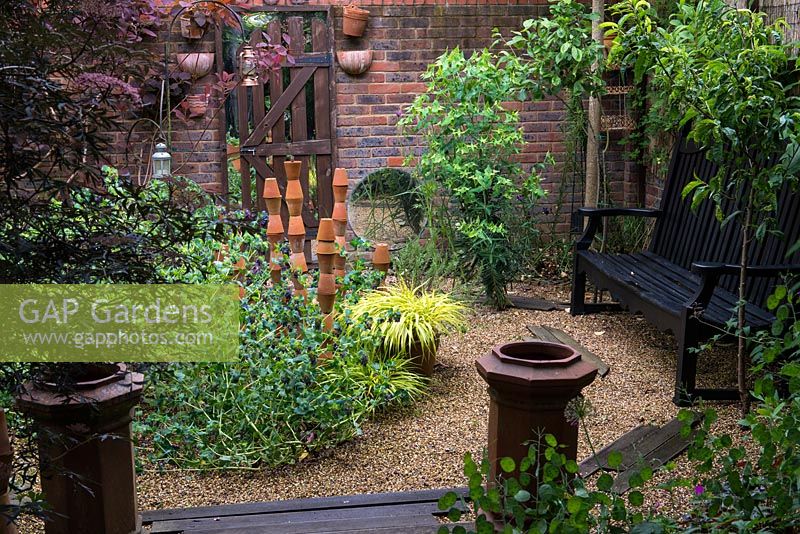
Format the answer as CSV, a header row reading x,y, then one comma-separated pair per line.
x,y
385,207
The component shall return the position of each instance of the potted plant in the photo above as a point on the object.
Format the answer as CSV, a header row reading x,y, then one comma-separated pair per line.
x,y
355,21
410,321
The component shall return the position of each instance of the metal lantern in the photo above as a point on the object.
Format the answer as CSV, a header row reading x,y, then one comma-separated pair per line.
x,y
248,67
161,161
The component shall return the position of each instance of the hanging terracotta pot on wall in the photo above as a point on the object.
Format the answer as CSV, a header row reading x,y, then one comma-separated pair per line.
x,y
355,21
354,62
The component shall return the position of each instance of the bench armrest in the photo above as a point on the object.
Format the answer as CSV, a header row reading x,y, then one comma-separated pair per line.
x,y
711,271
596,215
612,212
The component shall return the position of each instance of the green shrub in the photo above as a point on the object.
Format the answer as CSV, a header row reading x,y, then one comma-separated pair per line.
x,y
279,402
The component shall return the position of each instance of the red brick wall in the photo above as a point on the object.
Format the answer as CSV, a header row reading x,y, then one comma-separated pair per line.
x,y
405,37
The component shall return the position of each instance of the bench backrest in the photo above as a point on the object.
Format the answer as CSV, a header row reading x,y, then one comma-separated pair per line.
x,y
683,236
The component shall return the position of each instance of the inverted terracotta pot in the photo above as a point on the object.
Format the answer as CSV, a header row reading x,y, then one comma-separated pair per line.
x,y
530,384
295,206
296,226
271,189
340,229
293,169
240,265
340,177
299,261
327,285
325,230
275,276
275,226
327,322
339,265
340,212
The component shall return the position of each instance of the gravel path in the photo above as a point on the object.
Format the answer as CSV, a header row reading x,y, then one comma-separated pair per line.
x,y
423,446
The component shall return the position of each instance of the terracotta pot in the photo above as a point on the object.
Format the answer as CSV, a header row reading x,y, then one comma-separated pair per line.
x,y
296,226
325,248
293,169
340,177
354,62
325,230
295,206
325,262
190,29
271,189
297,243
90,435
340,229
608,40
327,285
327,322
198,64
354,21
423,360
240,265
339,212
380,258
275,227
274,206
198,104
275,275
340,193
339,265
298,260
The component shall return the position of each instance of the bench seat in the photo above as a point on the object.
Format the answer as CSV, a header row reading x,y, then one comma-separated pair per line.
x,y
660,290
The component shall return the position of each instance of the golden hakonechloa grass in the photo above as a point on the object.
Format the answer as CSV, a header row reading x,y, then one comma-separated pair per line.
x,y
404,315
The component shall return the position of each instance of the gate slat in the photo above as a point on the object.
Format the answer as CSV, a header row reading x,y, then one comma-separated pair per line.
x,y
259,110
322,119
244,134
279,128
300,125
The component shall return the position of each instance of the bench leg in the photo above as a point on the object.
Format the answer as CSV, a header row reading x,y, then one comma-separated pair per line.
x,y
686,370
577,304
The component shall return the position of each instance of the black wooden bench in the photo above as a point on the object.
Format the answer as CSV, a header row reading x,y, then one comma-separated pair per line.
x,y
687,280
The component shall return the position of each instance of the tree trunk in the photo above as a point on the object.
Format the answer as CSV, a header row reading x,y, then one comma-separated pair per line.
x,y
592,188
741,356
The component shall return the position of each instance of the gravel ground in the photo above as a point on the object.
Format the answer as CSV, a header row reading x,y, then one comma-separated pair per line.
x,y
423,446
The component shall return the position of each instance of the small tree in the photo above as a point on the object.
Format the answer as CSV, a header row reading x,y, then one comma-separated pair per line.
x,y
726,73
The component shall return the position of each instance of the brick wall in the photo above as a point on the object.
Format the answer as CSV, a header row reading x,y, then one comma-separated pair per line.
x,y
405,37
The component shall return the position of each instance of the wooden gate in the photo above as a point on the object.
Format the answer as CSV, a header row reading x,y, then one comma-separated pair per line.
x,y
290,114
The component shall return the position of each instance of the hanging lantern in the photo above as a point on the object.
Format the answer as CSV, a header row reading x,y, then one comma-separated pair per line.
x,y
248,66
161,161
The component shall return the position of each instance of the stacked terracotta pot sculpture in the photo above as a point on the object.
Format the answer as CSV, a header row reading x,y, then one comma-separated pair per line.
x,y
326,254
340,184
380,258
272,195
297,230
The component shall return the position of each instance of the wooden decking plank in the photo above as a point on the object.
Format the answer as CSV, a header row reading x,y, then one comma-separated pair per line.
x,y
313,522
554,335
532,303
666,451
542,333
589,466
277,520
329,526
317,503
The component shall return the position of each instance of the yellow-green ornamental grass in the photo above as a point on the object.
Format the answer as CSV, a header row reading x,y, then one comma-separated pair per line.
x,y
404,315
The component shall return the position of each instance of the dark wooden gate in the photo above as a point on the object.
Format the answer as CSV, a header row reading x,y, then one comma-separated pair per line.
x,y
290,114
